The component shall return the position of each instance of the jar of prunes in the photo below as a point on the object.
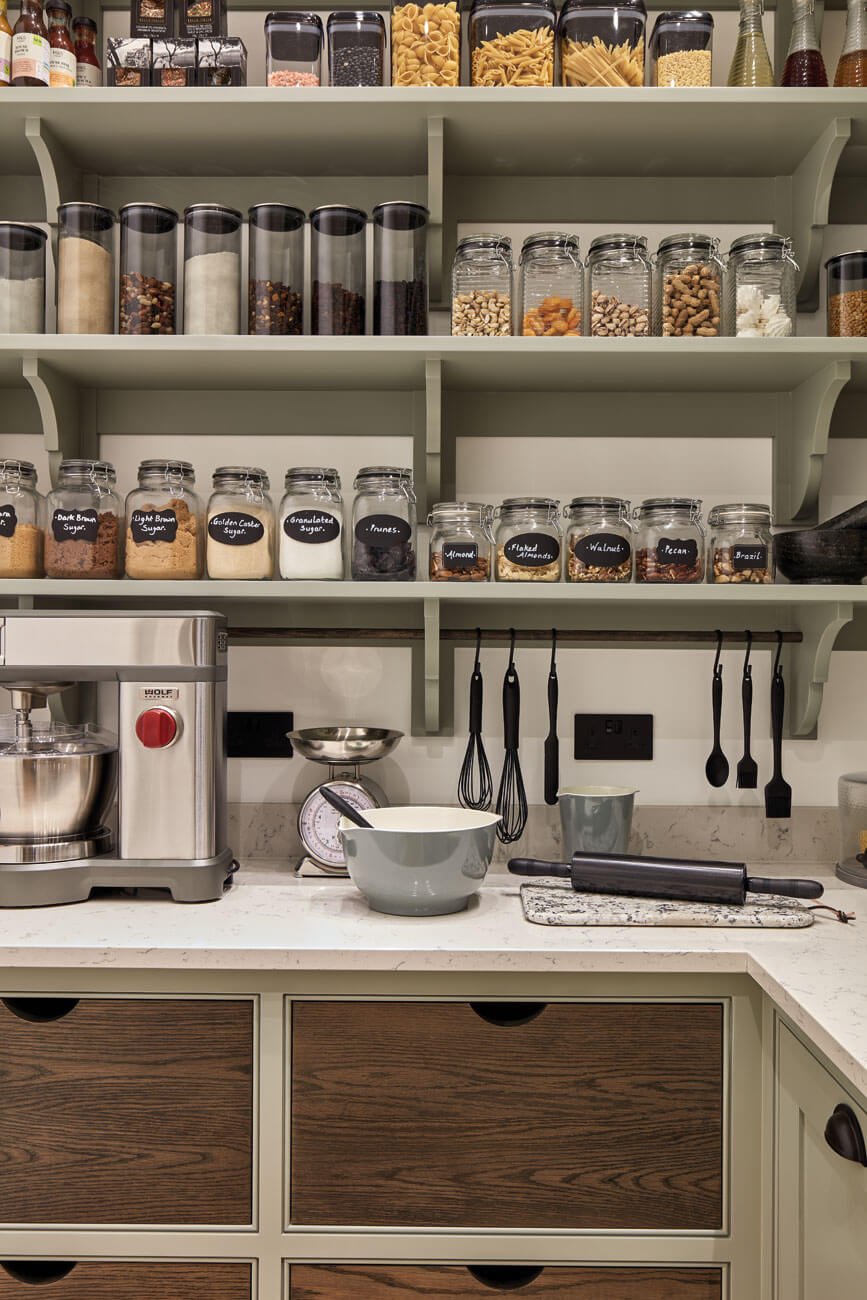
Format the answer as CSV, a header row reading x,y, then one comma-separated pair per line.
x,y
740,547
164,523
512,42
599,537
311,525
528,540
460,541
670,544
84,522
21,539
384,525
356,48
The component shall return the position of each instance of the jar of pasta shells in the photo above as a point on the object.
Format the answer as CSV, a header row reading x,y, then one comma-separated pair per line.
x,y
482,286
740,548
689,287
528,540
512,42
552,286
425,44
599,538
602,44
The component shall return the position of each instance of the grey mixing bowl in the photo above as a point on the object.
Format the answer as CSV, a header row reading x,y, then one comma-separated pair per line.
x,y
419,861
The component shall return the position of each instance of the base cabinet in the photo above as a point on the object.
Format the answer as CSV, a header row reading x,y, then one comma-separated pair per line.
x,y
125,1280
421,1282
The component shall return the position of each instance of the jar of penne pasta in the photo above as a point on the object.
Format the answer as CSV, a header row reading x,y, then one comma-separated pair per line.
x,y
425,44
512,42
602,44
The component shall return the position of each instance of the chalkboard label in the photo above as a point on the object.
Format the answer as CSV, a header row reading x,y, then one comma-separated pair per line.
x,y
460,555
8,520
75,525
313,526
749,557
232,528
153,525
382,531
532,550
602,550
677,550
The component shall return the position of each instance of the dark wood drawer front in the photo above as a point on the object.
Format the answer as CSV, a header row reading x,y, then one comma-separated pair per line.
x,y
590,1115
373,1281
124,1280
126,1110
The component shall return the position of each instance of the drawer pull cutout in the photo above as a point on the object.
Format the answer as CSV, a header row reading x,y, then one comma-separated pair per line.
x,y
505,1277
843,1135
508,1014
40,1010
37,1272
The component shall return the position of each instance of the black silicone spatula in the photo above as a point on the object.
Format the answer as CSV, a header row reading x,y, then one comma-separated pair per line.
x,y
716,769
748,771
340,805
552,743
778,793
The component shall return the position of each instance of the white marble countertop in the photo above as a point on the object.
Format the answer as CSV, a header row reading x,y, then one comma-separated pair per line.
x,y
269,921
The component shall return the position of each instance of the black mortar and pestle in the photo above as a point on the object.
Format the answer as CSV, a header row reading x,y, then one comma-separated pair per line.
x,y
834,552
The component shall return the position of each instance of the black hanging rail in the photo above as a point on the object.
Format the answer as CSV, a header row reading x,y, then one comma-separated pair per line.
x,y
696,636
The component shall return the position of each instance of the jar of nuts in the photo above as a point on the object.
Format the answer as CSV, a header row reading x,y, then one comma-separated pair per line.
x,y
740,548
528,540
512,42
670,540
681,48
689,287
552,286
425,44
847,295
620,279
482,286
598,540
148,269
460,542
761,276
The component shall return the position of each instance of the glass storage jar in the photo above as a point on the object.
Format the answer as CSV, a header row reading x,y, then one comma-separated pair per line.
x,y
400,268
482,286
460,541
21,537
22,278
670,546
148,268
804,65
276,266
528,540
164,523
88,70
356,48
620,279
425,44
85,269
852,66
84,522
311,525
751,63
599,537
760,288
681,48
212,269
689,287
602,44
847,294
240,524
31,53
552,285
740,546
384,525
512,42
293,49
338,259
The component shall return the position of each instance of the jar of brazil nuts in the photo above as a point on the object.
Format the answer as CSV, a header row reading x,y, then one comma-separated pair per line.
x,y
620,277
689,287
528,540
740,548
598,540
460,541
670,540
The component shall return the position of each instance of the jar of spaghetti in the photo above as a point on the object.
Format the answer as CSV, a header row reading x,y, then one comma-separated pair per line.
x,y
602,43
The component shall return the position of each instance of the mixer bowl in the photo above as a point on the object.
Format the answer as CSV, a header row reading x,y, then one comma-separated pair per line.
x,y
61,788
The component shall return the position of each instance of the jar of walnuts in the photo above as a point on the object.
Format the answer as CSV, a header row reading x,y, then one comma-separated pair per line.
x,y
599,538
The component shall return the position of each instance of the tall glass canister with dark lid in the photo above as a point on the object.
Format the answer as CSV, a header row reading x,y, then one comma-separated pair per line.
x,y
276,279
148,268
602,43
338,257
400,268
847,294
212,269
293,48
384,525
22,278
356,48
85,269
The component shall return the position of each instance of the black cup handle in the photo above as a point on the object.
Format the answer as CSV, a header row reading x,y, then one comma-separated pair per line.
x,y
844,1136
508,1013
40,1010
505,1277
37,1272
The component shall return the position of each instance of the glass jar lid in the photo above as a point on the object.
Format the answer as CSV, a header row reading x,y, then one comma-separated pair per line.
x,y
552,241
243,475
302,474
513,507
854,261
689,239
608,10
667,505
148,218
765,239
13,472
336,219
616,504
684,18
212,218
500,245
744,512
170,470
356,17
20,238
606,243
395,473
518,6
277,217
293,18
460,511
86,218
400,215
87,469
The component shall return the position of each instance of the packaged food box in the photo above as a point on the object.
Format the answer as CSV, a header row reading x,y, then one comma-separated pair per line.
x,y
174,63
152,18
128,61
201,18
222,61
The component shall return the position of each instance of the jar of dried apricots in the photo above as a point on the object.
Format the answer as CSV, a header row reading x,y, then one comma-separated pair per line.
x,y
552,285
425,44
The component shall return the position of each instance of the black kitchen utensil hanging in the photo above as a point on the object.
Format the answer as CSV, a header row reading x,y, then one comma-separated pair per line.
x,y
717,766
476,786
552,743
778,793
511,796
747,769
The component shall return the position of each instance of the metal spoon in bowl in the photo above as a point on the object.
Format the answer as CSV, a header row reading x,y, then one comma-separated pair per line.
x,y
351,814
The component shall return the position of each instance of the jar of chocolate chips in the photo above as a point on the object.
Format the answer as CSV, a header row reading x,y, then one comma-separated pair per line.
x,y
384,525
670,540
400,268
148,268
164,523
599,538
338,258
84,522
276,269
740,548
460,541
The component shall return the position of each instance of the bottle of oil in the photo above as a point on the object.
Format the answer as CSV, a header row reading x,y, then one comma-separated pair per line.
x,y
751,65
804,63
852,68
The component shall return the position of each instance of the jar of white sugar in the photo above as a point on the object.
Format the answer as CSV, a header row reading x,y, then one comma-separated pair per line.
x,y
212,269
22,278
240,542
311,525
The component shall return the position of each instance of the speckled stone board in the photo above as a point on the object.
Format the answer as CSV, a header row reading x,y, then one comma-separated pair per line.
x,y
553,902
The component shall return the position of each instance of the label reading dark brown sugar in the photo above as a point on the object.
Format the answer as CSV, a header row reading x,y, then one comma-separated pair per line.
x,y
460,555
75,525
677,550
313,526
8,520
532,550
602,550
153,525
233,528
749,557
382,531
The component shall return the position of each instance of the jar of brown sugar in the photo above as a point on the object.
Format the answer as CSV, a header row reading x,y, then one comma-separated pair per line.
x,y
84,522
164,523
20,521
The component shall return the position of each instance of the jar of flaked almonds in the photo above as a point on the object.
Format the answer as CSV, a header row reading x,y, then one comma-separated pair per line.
x,y
425,44
740,546
552,286
512,42
689,287
482,286
528,540
599,537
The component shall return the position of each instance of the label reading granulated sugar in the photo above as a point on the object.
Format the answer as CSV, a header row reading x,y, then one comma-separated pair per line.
x,y
677,550
311,526
532,550
153,525
233,528
602,550
75,525
30,57
749,557
460,555
8,520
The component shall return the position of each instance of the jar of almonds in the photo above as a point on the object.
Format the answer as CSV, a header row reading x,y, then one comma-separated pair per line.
x,y
670,540
425,44
482,286
599,538
740,548
689,287
460,542
528,540
552,286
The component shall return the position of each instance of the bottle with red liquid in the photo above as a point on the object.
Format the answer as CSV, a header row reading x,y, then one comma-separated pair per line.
x,y
30,48
87,71
852,68
62,56
804,63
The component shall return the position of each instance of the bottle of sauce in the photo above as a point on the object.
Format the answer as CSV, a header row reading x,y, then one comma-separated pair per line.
x,y
852,68
87,67
61,62
804,63
30,48
5,46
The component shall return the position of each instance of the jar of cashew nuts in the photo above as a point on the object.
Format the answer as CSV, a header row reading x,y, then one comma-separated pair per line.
x,y
482,286
740,548
599,538
425,44
689,287
528,540
512,42
552,286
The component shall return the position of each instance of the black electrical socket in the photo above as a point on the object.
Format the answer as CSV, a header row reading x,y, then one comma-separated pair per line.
x,y
259,735
614,735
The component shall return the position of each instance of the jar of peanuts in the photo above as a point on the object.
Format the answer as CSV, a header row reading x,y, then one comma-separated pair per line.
x,y
599,537
293,49
689,287
482,286
552,285
425,44
670,540
740,548
602,43
620,278
681,48
512,42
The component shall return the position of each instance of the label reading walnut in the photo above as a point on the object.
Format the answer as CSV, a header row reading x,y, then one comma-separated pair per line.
x,y
602,550
233,528
8,520
460,555
75,525
532,550
313,526
382,531
677,550
153,525
749,557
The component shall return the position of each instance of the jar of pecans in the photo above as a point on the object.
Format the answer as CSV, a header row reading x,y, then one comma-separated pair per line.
x,y
460,542
620,277
552,286
164,523
84,522
741,548
425,44
528,540
20,521
689,287
599,538
670,540
482,286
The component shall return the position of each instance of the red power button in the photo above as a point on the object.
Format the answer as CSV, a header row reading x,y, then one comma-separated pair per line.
x,y
156,728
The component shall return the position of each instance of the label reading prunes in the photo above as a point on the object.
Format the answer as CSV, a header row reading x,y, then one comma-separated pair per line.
x,y
460,555
313,526
382,531
75,525
153,525
233,528
749,557
8,520
677,550
532,550
602,550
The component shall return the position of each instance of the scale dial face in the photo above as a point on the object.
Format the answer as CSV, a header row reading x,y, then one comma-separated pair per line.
x,y
318,821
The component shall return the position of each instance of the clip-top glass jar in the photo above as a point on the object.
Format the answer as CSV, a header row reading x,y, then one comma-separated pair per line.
x,y
148,268
512,42
339,269
293,49
599,538
620,280
164,523
552,285
482,286
22,278
670,540
681,48
425,43
384,525
85,269
212,269
240,522
602,42
528,538
740,546
847,294
84,522
460,541
356,48
21,538
276,279
761,284
311,525
689,279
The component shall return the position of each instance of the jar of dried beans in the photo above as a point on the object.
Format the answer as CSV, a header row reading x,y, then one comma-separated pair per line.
x,y
425,44
338,256
356,48
384,525
761,283
602,44
740,548
512,42
460,542
847,295
240,525
528,540
599,538
482,286
84,522
620,279
689,287
276,280
148,269
20,521
293,49
552,286
164,523
681,48
670,545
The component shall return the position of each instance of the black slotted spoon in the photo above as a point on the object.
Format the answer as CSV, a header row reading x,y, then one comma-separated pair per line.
x,y
748,768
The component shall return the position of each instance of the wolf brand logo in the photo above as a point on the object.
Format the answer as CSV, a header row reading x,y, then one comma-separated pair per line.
x,y
158,694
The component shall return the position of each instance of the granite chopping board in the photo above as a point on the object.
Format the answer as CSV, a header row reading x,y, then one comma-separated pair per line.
x,y
549,901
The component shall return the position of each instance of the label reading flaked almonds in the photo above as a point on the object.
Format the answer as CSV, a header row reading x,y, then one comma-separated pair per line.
x,y
532,550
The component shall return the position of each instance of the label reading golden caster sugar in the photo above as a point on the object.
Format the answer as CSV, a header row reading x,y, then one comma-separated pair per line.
x,y
62,68
5,58
30,57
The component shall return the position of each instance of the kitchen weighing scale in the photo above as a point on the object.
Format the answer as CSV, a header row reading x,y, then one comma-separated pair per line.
x,y
344,750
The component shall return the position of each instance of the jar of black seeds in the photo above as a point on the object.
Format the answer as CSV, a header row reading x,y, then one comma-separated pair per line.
x,y
356,48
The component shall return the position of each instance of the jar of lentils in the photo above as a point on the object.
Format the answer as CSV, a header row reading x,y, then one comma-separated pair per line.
x,y
670,546
740,548
689,285
761,283
599,536
384,525
620,279
460,542
482,286
528,540
552,286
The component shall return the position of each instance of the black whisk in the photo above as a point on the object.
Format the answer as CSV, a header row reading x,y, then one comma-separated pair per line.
x,y
511,796
475,787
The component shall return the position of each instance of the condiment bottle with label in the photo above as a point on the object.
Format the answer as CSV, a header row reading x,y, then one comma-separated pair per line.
x,y
740,548
61,60
164,524
384,525
5,46
88,71
528,540
311,525
599,539
240,541
21,537
30,48
84,522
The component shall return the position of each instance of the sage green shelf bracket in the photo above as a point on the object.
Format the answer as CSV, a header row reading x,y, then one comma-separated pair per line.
x,y
58,401
801,443
435,188
59,177
433,678
427,456
811,663
811,197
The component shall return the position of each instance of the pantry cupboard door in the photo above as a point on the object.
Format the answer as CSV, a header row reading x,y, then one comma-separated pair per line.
x,y
449,1282
125,1280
